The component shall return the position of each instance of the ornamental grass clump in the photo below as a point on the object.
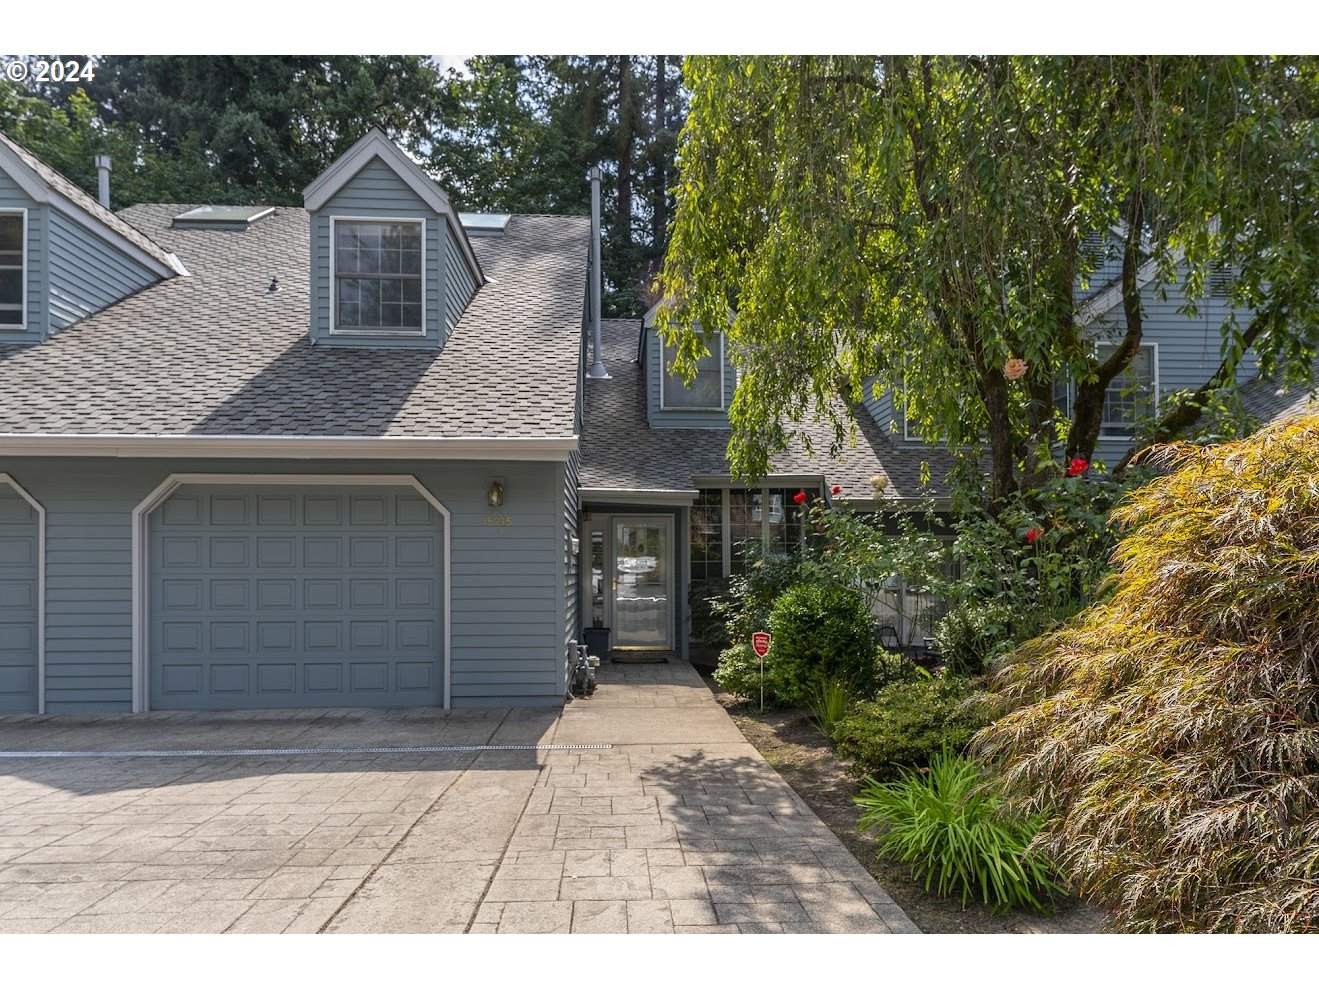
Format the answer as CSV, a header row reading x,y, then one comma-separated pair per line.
x,y
1171,733
950,826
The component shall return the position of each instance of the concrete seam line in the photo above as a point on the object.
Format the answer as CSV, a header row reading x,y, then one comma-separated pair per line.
x,y
229,753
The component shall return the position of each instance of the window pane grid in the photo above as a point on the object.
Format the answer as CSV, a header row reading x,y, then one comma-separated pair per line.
x,y
1130,396
706,391
378,275
707,535
11,269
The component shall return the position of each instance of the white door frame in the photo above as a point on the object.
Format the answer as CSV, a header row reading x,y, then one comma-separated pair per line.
x,y
162,491
666,522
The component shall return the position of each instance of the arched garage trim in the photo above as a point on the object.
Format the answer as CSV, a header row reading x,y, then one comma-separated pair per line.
x,y
142,514
41,587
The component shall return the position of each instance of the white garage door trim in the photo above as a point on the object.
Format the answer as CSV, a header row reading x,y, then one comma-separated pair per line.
x,y
141,584
41,587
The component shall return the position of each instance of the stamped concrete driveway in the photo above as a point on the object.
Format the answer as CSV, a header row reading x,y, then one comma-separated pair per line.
x,y
651,813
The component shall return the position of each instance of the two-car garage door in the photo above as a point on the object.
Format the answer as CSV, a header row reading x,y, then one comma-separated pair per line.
x,y
286,596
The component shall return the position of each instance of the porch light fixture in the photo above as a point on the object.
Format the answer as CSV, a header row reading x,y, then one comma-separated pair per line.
x,y
496,494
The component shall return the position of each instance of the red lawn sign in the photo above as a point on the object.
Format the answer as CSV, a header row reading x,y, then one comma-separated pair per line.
x,y
760,644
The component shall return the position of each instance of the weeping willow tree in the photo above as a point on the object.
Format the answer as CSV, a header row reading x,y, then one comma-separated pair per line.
x,y
1171,733
919,225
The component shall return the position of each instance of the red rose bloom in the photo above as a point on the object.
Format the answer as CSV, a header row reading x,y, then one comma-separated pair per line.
x,y
799,497
838,489
1079,465
1034,534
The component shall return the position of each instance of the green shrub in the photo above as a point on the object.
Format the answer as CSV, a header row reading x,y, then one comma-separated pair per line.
x,y
908,723
822,631
972,634
746,605
950,827
738,672
830,703
1171,733
707,607
892,667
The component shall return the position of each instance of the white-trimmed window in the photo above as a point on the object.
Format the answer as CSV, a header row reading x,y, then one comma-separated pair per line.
x,y
13,269
379,275
706,392
1132,396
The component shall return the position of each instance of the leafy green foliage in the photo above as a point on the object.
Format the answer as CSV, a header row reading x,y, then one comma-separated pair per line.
x,y
821,631
738,672
908,723
950,826
1171,732
972,634
918,225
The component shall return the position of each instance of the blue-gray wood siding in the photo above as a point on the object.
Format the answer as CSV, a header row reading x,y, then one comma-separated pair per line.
x,y
661,418
1189,351
13,197
572,581
376,191
459,281
506,579
18,602
86,273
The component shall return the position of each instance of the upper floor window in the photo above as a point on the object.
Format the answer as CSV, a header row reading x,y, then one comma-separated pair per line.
x,y
378,267
1132,396
12,268
706,391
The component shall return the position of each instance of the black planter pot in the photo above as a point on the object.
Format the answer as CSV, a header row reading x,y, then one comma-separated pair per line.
x,y
597,641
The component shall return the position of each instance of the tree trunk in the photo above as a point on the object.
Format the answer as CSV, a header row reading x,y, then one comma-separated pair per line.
x,y
626,138
659,207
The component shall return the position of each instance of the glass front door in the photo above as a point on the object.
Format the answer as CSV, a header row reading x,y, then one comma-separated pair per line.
x,y
642,575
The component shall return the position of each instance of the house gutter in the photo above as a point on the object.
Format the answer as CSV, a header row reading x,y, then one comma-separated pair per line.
x,y
535,448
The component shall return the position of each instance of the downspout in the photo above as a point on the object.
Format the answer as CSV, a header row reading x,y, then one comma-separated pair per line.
x,y
103,180
597,371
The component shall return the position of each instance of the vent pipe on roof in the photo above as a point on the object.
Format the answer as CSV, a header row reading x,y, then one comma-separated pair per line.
x,y
103,180
598,368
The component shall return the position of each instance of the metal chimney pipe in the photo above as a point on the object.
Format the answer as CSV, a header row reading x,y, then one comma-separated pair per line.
x,y
597,371
103,180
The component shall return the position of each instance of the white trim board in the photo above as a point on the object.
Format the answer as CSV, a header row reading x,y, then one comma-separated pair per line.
x,y
141,654
533,448
373,331
41,587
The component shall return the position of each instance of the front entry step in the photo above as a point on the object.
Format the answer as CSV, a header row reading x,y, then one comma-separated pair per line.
x,y
637,657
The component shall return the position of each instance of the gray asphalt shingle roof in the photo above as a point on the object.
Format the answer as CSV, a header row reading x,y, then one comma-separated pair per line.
x,y
215,354
621,451
1268,402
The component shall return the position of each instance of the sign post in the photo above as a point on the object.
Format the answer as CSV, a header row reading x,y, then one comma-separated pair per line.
x,y
760,644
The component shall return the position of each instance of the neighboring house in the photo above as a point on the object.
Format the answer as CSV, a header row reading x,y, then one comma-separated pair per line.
x,y
348,455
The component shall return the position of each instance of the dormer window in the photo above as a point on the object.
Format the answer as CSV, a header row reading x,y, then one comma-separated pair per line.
x,y
378,275
13,274
706,392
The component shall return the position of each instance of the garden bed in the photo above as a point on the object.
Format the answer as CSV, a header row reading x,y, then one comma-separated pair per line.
x,y
802,756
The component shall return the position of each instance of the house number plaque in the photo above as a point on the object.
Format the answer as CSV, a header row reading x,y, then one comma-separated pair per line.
x,y
499,520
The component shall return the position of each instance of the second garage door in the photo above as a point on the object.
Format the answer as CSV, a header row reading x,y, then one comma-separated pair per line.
x,y
269,597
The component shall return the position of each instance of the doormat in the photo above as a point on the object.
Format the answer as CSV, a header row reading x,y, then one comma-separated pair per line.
x,y
638,658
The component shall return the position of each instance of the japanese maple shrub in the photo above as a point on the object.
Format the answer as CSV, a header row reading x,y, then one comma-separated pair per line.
x,y
1170,733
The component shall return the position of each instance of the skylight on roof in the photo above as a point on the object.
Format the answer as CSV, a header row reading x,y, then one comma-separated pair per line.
x,y
483,223
223,217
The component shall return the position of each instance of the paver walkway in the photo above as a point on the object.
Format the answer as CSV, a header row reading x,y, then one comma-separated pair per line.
x,y
679,825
